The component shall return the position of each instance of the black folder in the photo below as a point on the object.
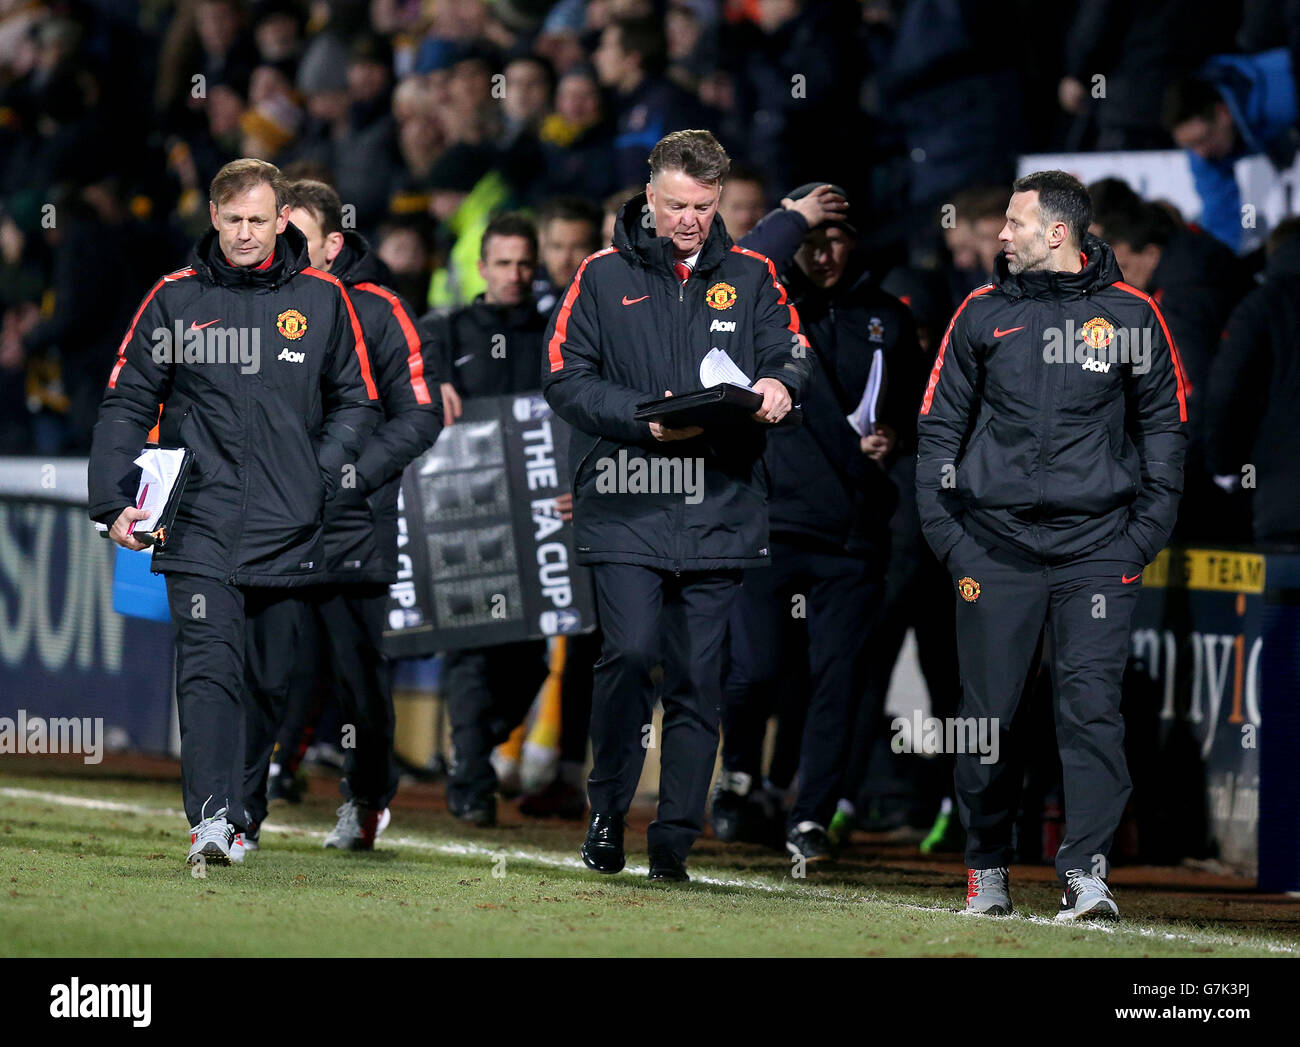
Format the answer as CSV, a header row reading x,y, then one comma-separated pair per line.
x,y
158,536
720,404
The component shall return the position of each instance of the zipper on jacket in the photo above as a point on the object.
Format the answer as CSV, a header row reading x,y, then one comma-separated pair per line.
x,y
1044,412
678,354
243,508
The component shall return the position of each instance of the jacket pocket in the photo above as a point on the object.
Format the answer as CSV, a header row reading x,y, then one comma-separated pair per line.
x,y
585,462
971,468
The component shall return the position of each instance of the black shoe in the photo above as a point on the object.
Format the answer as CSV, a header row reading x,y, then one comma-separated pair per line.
x,y
480,812
603,848
284,787
809,841
762,820
728,805
666,866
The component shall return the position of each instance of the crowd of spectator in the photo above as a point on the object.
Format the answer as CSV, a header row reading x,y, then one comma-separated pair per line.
x,y
430,118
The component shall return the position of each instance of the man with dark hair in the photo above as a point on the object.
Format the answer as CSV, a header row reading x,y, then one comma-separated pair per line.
x,y
568,229
972,238
344,620
1048,474
1254,386
744,200
630,62
1234,106
638,322
274,438
491,347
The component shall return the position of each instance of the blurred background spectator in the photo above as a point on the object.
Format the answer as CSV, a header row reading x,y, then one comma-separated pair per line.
x,y
432,118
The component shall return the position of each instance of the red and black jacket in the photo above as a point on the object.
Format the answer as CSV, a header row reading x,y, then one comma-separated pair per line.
x,y
361,524
272,427
1028,446
626,331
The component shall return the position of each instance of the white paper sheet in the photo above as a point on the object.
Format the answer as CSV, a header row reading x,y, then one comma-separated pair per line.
x,y
717,367
863,419
159,469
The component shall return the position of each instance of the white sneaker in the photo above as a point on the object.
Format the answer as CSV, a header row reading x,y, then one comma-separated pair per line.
x,y
243,843
357,827
1086,898
210,840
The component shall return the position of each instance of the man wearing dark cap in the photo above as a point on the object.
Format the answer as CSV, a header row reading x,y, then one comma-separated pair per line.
x,y
830,502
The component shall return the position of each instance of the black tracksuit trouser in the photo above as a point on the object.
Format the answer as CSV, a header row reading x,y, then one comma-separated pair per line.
x,y
347,626
583,650
834,596
234,656
650,617
489,691
1003,606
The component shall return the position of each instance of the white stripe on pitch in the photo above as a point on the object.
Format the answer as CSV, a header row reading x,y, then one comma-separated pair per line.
x,y
461,850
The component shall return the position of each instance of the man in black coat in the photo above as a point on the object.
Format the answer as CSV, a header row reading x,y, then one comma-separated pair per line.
x,y
830,503
491,347
344,619
274,434
668,518
1253,389
1048,473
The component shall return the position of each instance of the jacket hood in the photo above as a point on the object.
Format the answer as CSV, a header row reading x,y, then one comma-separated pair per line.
x,y
639,244
1099,271
289,259
356,263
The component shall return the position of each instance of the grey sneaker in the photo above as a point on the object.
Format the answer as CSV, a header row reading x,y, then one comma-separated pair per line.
x,y
210,840
988,892
357,827
1086,898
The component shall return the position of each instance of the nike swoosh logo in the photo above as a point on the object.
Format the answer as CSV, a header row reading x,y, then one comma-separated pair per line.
x,y
1126,579
463,360
633,301
199,327
999,333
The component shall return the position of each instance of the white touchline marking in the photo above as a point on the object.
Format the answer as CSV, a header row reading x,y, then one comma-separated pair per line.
x,y
462,850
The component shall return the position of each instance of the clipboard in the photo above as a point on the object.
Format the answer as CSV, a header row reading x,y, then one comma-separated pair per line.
x,y
724,403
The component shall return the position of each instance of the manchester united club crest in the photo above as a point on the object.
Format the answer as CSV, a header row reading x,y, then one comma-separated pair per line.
x,y
721,296
1097,332
969,589
292,324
